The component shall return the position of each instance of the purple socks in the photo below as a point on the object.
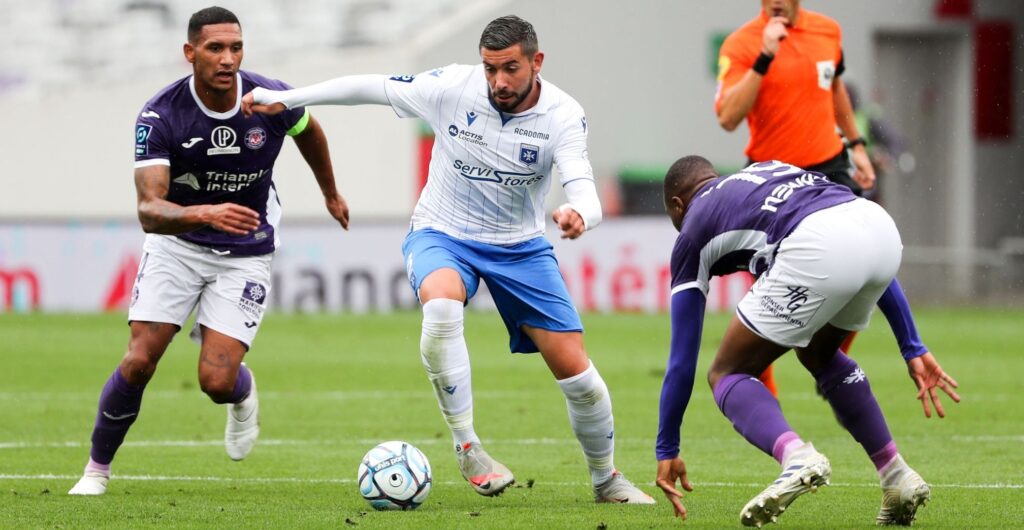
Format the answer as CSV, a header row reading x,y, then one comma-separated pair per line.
x,y
119,406
243,385
754,413
846,388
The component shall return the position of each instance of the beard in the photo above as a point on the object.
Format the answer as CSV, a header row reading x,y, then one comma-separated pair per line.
x,y
511,105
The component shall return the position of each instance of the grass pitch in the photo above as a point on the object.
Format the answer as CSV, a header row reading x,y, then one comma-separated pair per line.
x,y
331,387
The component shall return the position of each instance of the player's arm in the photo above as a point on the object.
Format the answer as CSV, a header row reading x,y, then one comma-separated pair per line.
x,y
582,212
160,216
924,369
736,100
312,143
847,122
347,90
687,313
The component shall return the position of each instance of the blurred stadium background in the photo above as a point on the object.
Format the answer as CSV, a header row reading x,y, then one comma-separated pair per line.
x,y
946,74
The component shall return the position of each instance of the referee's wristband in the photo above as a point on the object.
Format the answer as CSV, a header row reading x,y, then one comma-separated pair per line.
x,y
762,63
850,144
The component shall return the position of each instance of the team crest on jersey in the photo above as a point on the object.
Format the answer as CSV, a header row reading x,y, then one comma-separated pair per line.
x,y
528,154
223,139
255,138
142,139
253,296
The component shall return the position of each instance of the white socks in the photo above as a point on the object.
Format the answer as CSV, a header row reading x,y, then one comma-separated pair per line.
x,y
444,355
590,414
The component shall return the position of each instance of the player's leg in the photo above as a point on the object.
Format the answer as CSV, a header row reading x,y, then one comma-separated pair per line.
x,y
164,294
229,315
443,281
539,315
590,412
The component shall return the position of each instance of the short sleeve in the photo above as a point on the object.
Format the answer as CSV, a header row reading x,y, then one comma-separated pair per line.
x,y
152,140
734,59
685,265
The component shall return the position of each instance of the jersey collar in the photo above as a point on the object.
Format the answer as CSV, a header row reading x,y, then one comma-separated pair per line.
x,y
210,113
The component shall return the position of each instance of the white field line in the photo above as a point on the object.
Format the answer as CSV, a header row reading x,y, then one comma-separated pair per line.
x,y
302,480
425,441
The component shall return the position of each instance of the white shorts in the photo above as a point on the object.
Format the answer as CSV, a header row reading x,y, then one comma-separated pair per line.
x,y
832,269
176,276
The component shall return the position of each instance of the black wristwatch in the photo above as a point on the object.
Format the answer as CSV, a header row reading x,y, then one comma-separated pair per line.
x,y
850,144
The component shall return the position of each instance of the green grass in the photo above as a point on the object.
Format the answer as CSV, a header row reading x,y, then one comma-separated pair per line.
x,y
333,386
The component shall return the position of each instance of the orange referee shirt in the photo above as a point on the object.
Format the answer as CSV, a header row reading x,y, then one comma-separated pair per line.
x,y
793,118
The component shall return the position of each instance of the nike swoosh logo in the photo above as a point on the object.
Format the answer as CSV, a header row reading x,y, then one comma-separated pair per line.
x,y
150,114
190,143
120,417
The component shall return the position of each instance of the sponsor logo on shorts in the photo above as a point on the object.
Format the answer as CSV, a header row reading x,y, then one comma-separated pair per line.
x,y
784,307
253,296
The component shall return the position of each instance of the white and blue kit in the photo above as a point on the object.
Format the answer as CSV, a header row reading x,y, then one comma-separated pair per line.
x,y
482,210
821,255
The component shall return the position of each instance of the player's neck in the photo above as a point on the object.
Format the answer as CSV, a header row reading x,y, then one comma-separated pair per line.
x,y
217,100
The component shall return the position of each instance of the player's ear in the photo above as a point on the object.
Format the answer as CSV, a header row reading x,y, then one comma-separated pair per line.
x,y
190,52
538,58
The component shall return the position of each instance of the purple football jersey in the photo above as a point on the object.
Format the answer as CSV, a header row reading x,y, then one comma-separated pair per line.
x,y
734,223
217,157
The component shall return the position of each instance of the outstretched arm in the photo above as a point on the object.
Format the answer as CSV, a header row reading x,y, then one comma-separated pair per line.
x,y
312,143
921,364
687,325
160,216
348,90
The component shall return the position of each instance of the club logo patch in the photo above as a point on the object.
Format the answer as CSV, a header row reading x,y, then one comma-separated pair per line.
x,y
255,138
252,300
528,154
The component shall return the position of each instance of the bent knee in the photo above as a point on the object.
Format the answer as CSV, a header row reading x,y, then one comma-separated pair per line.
x,y
218,387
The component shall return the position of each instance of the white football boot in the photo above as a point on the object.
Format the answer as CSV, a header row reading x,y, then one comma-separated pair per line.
x,y
903,492
91,483
620,490
805,470
243,425
487,476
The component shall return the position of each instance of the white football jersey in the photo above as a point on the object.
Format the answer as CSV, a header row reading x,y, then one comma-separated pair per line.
x,y
489,170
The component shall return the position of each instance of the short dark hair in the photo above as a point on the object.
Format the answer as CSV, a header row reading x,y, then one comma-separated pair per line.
x,y
209,16
507,31
685,173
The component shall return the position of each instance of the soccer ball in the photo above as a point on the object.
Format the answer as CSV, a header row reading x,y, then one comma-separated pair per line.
x,y
394,476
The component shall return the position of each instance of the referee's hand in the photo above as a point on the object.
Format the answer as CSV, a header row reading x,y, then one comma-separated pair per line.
x,y
774,33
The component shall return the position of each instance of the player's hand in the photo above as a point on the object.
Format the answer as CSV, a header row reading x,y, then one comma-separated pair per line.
x,y
232,218
774,33
249,106
338,208
864,175
668,472
569,222
928,375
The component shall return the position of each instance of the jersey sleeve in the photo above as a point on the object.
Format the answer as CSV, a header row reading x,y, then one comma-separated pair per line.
x,y
417,95
153,140
687,325
734,59
687,270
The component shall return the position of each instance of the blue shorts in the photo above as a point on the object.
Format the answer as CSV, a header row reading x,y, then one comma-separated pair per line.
x,y
523,278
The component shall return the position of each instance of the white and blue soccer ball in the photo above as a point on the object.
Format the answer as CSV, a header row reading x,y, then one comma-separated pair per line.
x,y
394,476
